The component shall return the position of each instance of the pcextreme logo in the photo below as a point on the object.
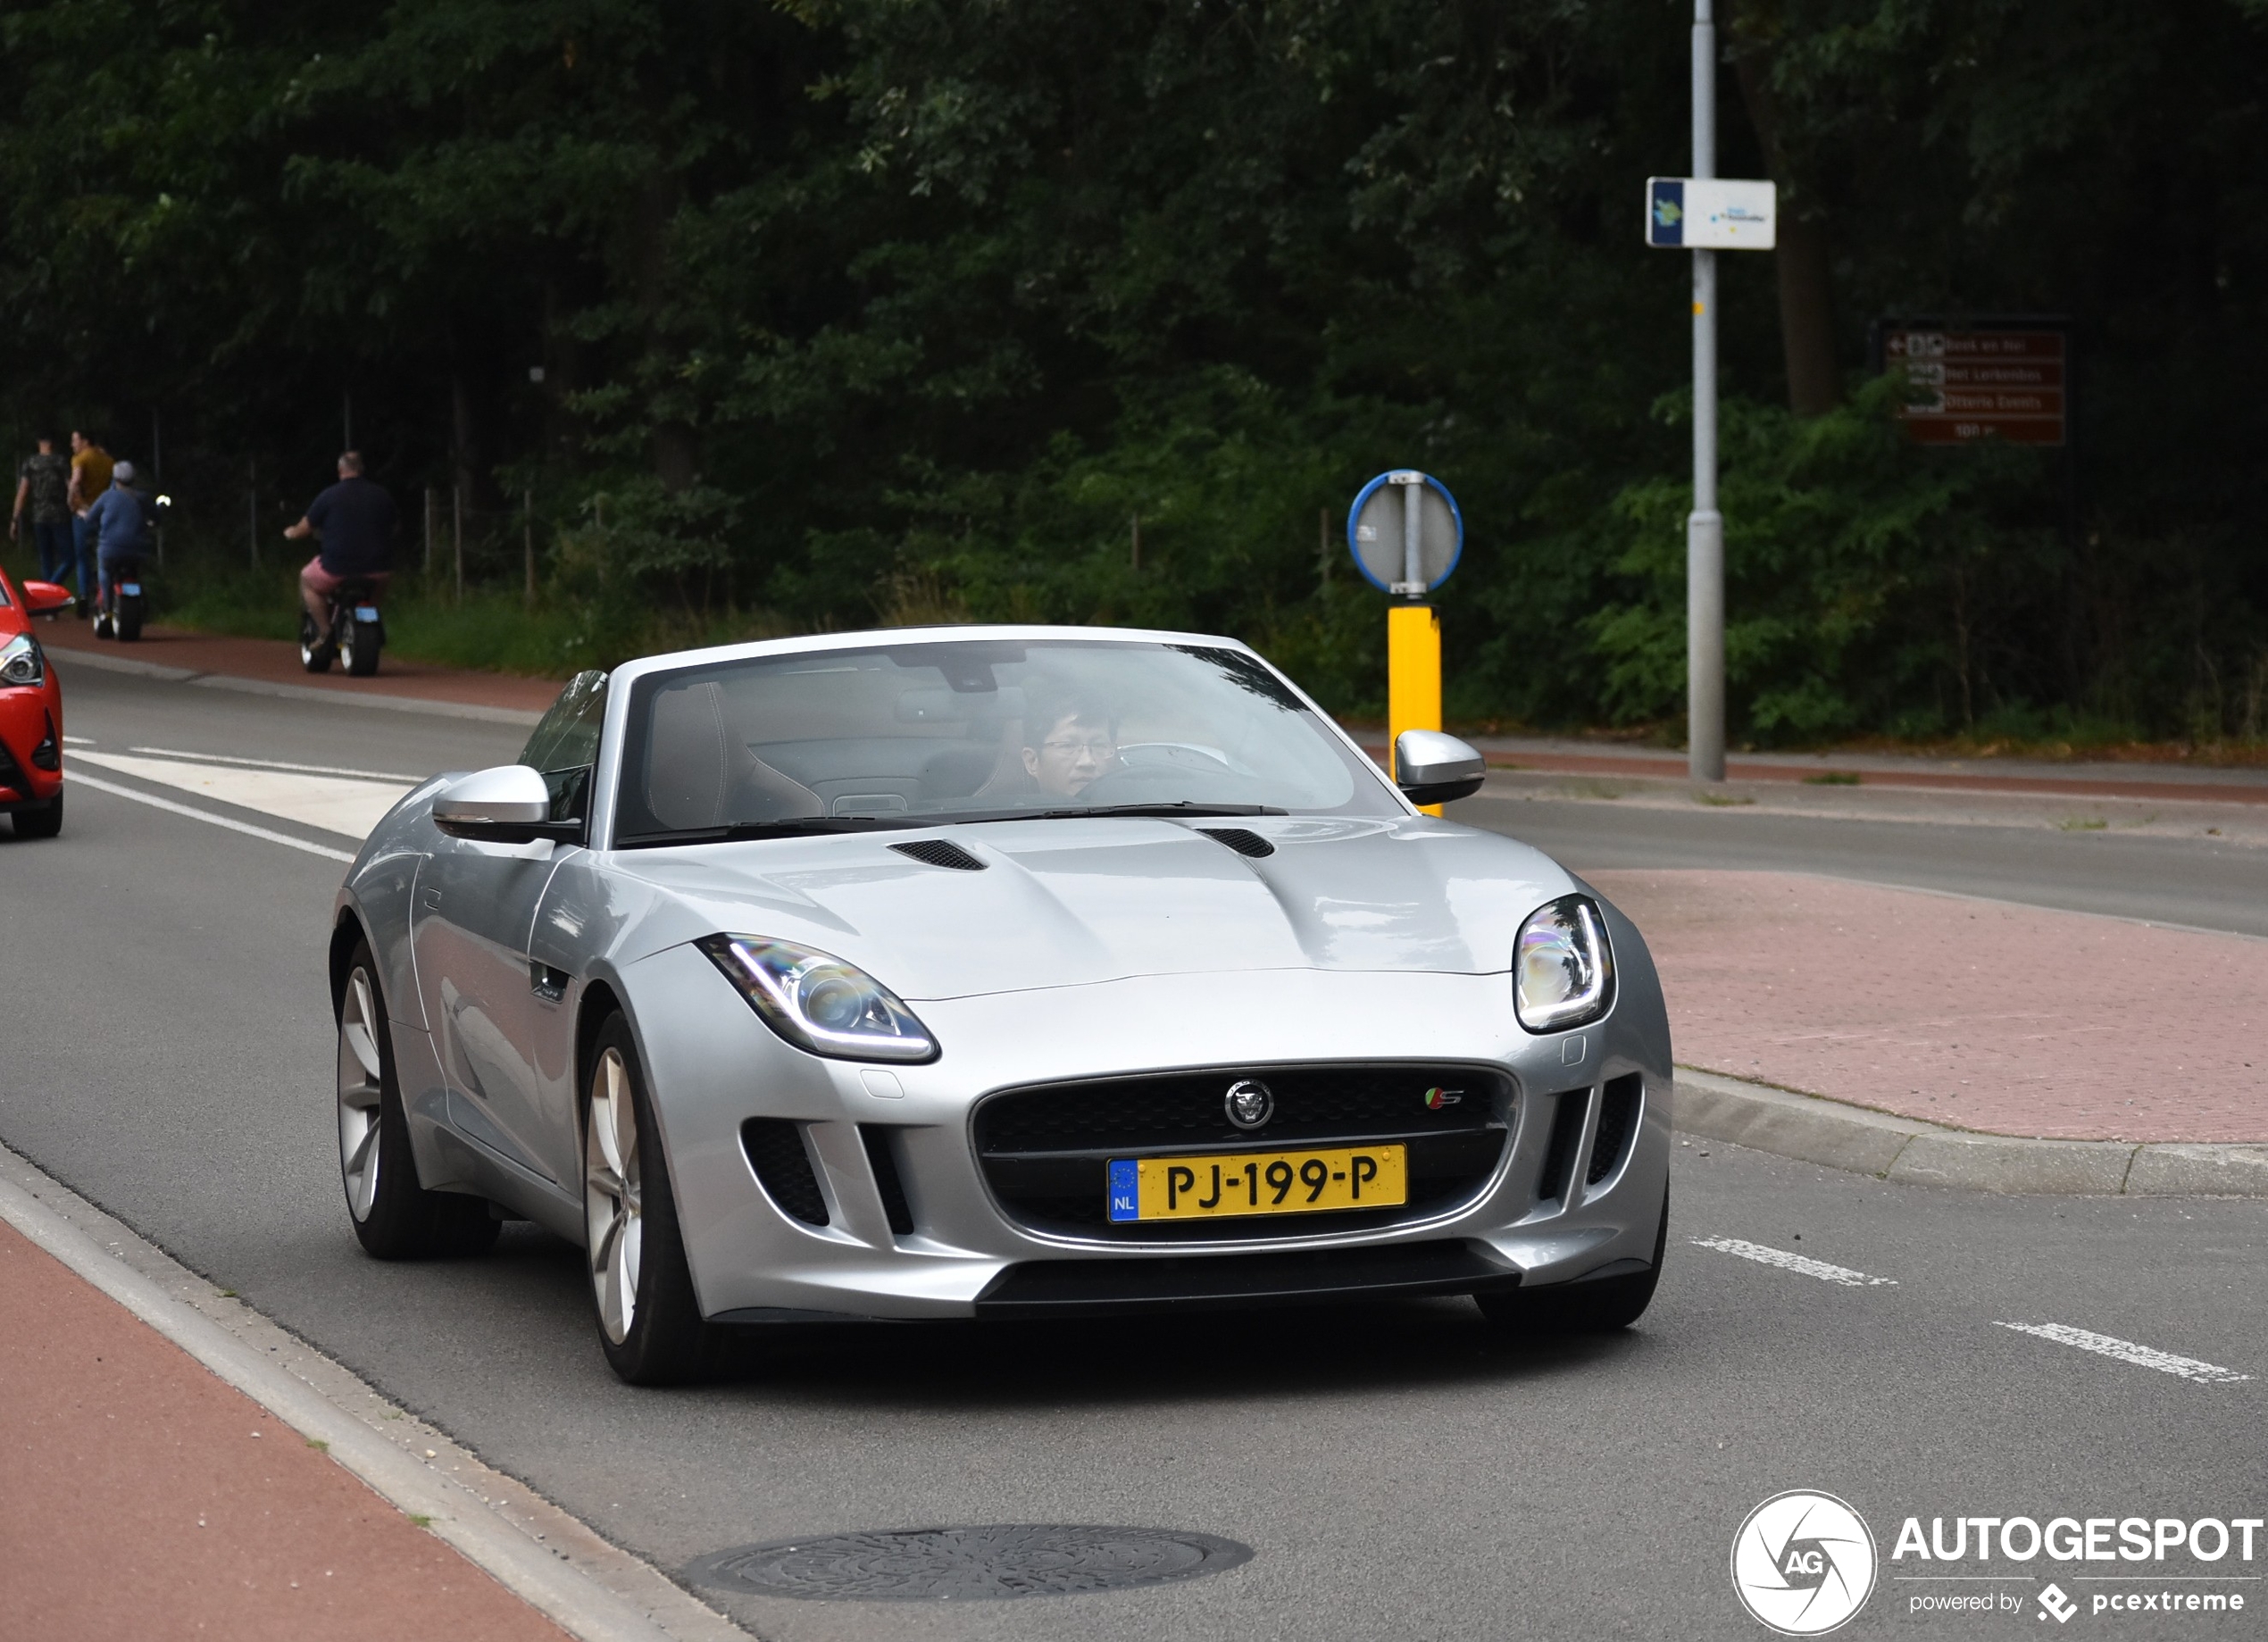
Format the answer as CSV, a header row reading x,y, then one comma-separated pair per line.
x,y
1803,1562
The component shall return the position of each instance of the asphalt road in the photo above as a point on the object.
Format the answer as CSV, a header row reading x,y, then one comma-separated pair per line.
x,y
1398,1470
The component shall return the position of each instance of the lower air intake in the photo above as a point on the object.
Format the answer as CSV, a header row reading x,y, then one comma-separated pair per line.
x,y
1617,1126
1568,1112
776,1152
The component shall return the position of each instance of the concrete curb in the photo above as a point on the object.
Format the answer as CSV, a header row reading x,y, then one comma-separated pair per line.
x,y
69,659
1818,1131
593,1589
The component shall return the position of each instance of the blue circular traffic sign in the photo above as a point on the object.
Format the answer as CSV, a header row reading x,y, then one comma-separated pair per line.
x,y
1406,532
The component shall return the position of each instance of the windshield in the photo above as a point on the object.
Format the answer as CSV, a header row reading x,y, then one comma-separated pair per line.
x,y
920,734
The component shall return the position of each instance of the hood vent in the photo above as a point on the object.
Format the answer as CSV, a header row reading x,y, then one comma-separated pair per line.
x,y
1241,841
941,853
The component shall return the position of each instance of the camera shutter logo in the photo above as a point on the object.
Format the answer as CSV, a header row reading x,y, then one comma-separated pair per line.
x,y
1803,1562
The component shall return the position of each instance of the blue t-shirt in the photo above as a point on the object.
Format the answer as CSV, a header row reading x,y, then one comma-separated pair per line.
x,y
357,521
120,524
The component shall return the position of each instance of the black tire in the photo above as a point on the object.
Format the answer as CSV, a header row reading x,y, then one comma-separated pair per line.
x,y
1603,1306
314,649
403,1220
129,620
45,822
666,1342
359,651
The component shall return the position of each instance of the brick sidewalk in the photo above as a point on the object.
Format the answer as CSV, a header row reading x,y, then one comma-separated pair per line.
x,y
147,1499
2012,1020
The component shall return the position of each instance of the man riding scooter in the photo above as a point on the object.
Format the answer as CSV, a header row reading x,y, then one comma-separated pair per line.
x,y
119,525
340,586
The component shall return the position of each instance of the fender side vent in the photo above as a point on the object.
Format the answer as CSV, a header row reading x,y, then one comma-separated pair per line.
x,y
940,853
1238,840
776,1152
1617,1126
1568,1111
881,1156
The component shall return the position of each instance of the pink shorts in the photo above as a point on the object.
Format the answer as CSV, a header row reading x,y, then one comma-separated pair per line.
x,y
316,577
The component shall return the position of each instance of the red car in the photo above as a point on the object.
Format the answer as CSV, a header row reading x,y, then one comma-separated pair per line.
x,y
31,713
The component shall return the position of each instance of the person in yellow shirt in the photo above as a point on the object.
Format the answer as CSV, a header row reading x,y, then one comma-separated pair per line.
x,y
90,471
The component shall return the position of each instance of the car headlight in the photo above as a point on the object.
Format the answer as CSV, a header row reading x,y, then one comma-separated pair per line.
x,y
1563,972
21,662
819,1003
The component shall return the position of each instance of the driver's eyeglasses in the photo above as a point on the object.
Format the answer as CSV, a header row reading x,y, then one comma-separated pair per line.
x,y
1101,746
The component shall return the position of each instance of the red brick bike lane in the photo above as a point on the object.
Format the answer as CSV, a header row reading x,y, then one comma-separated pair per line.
x,y
1979,1014
142,1497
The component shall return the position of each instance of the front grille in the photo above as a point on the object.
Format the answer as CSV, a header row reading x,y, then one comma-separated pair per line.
x,y
1045,1151
12,775
775,1149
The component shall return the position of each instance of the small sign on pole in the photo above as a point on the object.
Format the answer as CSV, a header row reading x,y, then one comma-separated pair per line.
x,y
1711,213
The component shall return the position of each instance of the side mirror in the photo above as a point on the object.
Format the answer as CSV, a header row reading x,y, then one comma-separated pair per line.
x,y
45,598
1432,768
508,805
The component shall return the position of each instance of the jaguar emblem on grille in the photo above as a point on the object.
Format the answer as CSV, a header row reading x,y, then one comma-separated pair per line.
x,y
1250,1103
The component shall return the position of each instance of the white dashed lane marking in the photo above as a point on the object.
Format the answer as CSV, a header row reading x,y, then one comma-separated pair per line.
x,y
2127,1351
1764,1254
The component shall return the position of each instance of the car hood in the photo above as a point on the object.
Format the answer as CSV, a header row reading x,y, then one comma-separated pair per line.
x,y
1071,903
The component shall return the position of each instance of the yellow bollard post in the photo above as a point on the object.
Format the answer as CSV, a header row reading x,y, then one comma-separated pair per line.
x,y
1413,672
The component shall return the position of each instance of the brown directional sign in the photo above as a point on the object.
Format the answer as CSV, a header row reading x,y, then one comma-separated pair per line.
x,y
1971,385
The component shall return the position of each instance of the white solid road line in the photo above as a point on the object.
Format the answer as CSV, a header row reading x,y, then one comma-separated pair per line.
x,y
272,764
156,803
1765,1255
2127,1351
349,807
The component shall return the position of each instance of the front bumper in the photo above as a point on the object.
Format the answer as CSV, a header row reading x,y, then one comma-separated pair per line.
x,y
1538,1219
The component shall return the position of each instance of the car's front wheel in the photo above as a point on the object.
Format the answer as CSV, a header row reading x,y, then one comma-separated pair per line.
x,y
649,1319
395,1217
1598,1307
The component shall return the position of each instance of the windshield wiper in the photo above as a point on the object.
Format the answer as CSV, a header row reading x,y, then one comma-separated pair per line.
x,y
797,827
1178,807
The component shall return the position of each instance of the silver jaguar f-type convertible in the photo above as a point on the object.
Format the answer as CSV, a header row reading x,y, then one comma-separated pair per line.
x,y
991,972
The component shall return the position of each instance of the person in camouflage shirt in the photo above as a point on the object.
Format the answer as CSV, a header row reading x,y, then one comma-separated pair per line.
x,y
43,487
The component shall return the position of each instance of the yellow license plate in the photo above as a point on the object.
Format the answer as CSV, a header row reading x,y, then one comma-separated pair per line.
x,y
1213,1187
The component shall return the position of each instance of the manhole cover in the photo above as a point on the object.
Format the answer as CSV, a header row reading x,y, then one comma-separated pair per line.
x,y
968,1564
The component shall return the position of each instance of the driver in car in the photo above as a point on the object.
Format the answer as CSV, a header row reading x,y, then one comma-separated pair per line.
x,y
1070,741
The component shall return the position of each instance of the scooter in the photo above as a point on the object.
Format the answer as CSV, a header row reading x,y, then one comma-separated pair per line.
x,y
124,606
355,633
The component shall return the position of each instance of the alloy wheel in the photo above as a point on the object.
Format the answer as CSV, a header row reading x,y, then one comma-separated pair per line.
x,y
359,1094
612,1213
